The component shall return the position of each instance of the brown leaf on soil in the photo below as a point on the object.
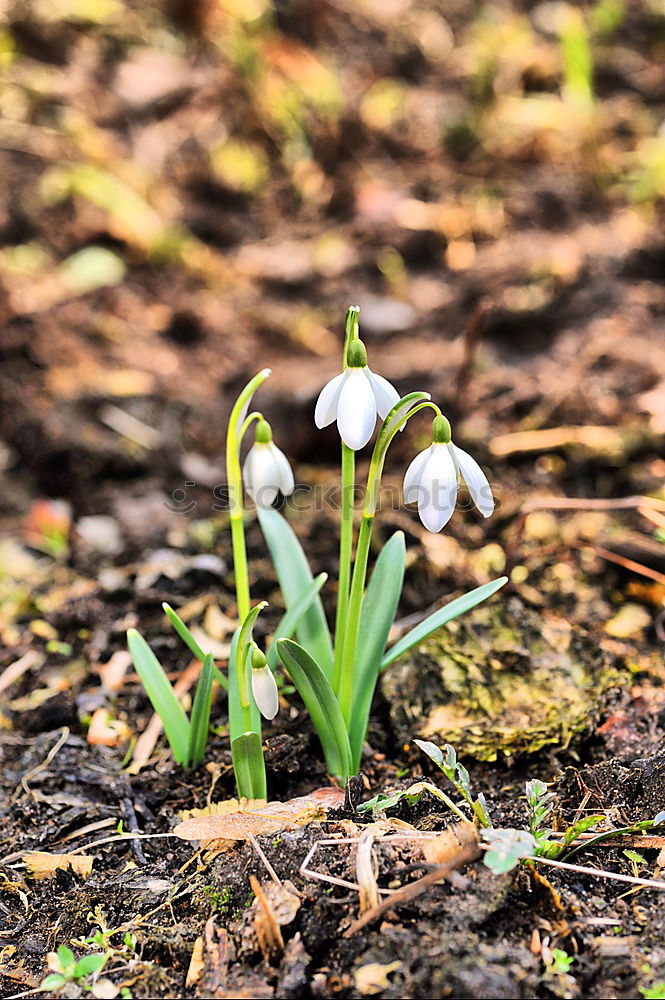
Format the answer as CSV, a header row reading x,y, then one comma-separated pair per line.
x,y
42,864
235,820
447,845
196,963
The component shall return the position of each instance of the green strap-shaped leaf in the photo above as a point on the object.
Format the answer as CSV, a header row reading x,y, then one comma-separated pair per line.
x,y
294,577
248,766
377,615
191,643
289,622
199,722
161,695
442,617
315,690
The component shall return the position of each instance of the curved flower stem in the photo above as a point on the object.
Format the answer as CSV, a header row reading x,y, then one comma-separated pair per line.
x,y
346,527
238,424
396,419
345,546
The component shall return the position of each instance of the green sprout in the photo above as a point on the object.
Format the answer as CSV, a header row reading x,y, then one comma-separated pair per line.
x,y
334,672
68,969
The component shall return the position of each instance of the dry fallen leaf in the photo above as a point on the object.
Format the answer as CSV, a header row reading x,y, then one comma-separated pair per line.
x,y
235,820
196,963
373,978
447,845
43,865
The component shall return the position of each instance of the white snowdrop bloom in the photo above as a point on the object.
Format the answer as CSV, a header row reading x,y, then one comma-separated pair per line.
x,y
432,479
264,687
354,398
266,469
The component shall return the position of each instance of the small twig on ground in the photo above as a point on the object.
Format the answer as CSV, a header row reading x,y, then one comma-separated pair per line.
x,y
269,868
629,564
601,873
414,889
62,739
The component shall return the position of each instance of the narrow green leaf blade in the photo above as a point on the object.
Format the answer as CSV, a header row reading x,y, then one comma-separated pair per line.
x,y
377,615
248,766
159,691
199,722
315,690
294,577
290,620
191,643
441,617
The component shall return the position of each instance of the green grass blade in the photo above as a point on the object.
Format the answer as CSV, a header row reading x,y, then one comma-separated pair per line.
x,y
441,617
315,690
294,577
290,620
248,766
199,722
159,691
377,615
191,643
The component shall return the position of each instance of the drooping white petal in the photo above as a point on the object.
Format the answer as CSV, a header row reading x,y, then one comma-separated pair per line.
x,y
385,394
326,405
475,479
356,409
285,479
438,489
414,474
261,476
265,693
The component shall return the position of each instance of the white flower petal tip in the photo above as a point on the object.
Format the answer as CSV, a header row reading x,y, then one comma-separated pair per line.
x,y
356,410
326,405
265,692
385,394
431,482
476,481
266,471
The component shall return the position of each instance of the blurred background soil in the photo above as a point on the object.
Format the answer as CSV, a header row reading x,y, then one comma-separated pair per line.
x,y
197,189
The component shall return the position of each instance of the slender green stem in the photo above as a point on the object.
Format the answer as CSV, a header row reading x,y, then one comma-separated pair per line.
x,y
397,417
238,425
345,546
353,617
346,527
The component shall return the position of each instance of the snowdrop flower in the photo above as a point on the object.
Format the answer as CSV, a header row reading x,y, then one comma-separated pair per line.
x,y
354,398
264,687
266,469
433,478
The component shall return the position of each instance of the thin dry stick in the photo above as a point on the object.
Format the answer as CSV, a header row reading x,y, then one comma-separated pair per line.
x,y
629,564
611,503
269,868
601,873
414,889
64,736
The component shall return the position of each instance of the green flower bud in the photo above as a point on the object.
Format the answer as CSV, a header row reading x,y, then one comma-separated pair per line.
x,y
356,355
441,433
263,432
258,659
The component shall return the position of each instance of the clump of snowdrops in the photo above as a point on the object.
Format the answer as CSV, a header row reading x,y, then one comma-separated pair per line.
x,y
334,673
